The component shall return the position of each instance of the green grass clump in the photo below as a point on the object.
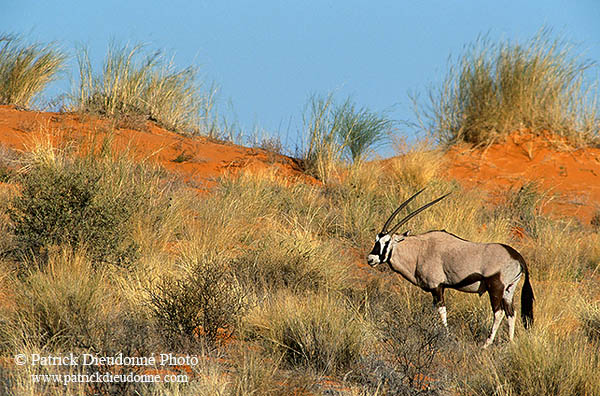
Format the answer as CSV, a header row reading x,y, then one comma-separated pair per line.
x,y
497,88
135,83
338,133
26,69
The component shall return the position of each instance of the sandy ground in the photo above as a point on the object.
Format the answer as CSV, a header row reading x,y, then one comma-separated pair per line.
x,y
197,160
570,178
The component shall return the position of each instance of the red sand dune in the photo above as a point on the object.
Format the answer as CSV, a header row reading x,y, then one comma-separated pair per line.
x,y
198,160
572,176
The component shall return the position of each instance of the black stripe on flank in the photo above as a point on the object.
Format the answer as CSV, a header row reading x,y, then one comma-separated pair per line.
x,y
469,280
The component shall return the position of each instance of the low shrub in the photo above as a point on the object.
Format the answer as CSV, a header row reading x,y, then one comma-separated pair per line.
x,y
204,303
74,204
94,201
411,337
413,341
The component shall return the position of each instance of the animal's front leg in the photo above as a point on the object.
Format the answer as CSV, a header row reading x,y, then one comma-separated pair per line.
x,y
442,311
438,302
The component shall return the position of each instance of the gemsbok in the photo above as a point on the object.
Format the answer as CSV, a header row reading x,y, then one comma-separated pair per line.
x,y
437,260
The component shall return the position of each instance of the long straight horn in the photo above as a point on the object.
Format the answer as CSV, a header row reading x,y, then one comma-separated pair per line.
x,y
402,206
416,212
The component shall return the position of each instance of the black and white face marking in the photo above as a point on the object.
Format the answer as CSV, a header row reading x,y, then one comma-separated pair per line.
x,y
381,251
384,244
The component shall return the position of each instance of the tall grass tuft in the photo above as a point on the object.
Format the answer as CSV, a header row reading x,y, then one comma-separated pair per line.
x,y
561,251
590,316
60,306
26,69
416,165
298,262
135,82
338,133
323,153
361,129
494,89
315,331
538,364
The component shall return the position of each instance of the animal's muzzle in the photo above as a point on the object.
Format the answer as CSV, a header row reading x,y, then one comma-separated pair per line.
x,y
373,260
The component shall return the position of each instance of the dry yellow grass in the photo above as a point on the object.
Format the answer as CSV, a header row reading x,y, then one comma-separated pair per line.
x,y
26,69
136,83
493,89
296,242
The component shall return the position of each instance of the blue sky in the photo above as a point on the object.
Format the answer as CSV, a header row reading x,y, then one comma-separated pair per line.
x,y
268,57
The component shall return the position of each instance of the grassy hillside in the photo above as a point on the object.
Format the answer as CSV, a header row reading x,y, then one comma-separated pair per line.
x,y
270,291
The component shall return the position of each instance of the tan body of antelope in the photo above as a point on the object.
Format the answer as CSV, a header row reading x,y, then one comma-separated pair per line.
x,y
438,260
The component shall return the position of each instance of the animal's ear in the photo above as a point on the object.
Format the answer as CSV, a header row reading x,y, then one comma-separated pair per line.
x,y
406,233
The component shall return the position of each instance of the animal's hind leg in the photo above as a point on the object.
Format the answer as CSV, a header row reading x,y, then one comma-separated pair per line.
x,y
509,308
495,289
511,327
498,316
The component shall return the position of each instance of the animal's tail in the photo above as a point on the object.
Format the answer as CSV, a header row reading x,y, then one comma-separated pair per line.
x,y
527,300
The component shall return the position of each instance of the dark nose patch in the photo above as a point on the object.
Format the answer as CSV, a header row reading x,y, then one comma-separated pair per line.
x,y
376,250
